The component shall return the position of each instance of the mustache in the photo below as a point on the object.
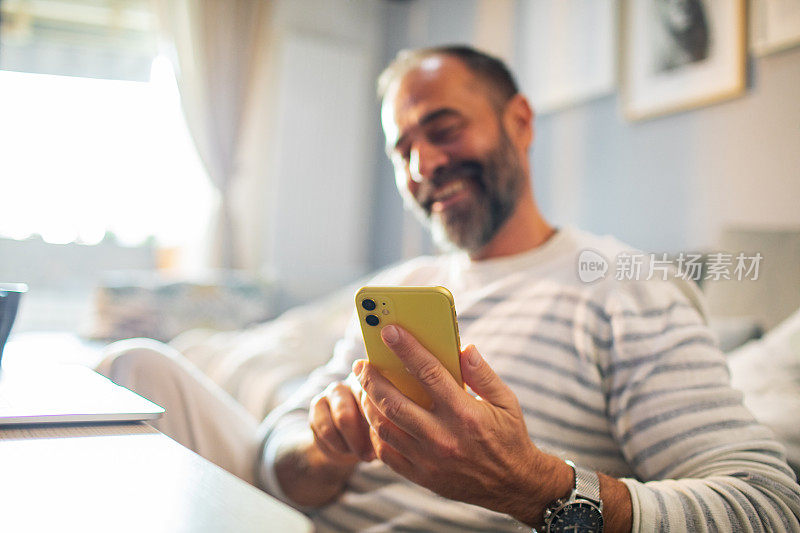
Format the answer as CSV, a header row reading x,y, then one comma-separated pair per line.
x,y
469,171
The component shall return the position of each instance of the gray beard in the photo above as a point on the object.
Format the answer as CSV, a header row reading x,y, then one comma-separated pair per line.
x,y
499,180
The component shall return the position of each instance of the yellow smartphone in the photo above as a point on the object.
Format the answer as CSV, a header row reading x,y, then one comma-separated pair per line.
x,y
428,313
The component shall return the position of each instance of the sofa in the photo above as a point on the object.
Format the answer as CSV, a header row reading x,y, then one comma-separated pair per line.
x,y
262,364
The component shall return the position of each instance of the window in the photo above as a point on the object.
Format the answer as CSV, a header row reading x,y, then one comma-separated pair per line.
x,y
82,156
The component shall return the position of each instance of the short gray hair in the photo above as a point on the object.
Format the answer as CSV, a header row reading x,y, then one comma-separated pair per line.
x,y
490,70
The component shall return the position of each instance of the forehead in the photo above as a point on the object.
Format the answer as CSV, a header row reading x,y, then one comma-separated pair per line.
x,y
438,82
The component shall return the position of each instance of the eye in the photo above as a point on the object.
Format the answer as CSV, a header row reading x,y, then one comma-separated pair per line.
x,y
444,132
442,135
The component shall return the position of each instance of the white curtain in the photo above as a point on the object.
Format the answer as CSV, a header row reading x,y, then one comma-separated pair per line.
x,y
217,45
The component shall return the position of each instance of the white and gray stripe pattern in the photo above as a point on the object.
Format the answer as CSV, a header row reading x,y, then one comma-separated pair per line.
x,y
622,378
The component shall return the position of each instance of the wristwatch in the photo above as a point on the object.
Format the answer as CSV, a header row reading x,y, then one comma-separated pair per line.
x,y
582,511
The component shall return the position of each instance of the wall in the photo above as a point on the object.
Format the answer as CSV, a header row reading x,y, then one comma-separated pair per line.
x,y
304,203
673,183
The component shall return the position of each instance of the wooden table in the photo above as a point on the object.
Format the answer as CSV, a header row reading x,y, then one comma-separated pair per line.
x,y
124,477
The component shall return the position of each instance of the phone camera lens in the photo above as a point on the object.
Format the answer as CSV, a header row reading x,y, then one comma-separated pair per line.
x,y
372,320
368,304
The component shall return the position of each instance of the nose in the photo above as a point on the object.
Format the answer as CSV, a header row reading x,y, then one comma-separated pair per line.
x,y
424,160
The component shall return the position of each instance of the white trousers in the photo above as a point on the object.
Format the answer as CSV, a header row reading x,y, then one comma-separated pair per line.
x,y
199,414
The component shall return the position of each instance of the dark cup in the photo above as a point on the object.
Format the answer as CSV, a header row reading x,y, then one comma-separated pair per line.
x,y
10,294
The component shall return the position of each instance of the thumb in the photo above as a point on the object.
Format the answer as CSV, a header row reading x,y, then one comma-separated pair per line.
x,y
481,378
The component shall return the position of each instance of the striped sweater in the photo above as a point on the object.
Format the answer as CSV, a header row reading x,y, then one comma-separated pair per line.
x,y
621,377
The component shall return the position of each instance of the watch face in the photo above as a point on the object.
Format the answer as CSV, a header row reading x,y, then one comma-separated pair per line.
x,y
577,517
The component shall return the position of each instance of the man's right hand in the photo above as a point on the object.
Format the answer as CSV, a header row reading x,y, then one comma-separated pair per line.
x,y
340,430
312,468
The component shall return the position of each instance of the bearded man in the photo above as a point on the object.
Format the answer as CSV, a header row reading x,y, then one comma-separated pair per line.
x,y
596,406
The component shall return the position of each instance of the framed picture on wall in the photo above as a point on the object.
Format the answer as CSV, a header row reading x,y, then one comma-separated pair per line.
x,y
680,54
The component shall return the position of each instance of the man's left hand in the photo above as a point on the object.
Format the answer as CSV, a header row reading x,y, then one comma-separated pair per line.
x,y
475,450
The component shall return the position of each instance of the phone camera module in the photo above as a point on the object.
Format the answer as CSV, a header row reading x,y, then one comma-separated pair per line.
x,y
372,320
368,304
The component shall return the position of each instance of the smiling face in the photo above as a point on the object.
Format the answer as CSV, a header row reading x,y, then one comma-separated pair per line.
x,y
455,163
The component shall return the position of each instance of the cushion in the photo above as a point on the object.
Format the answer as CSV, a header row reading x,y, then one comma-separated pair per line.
x,y
767,371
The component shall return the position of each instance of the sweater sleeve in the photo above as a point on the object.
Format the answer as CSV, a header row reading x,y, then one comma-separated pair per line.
x,y
289,420
701,461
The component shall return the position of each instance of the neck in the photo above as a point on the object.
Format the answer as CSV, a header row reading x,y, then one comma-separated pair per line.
x,y
524,230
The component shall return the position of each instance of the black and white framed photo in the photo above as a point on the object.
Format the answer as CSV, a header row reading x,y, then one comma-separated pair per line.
x,y
680,54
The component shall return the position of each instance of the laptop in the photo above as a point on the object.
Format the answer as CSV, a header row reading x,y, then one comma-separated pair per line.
x,y
67,393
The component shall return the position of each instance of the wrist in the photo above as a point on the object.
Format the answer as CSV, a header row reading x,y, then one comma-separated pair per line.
x,y
550,479
306,475
582,510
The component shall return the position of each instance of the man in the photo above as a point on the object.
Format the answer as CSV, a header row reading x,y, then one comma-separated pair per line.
x,y
622,379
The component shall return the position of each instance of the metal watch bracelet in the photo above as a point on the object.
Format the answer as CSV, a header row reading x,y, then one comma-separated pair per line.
x,y
582,509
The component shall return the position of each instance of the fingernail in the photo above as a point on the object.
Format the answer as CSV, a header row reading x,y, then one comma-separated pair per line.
x,y
474,358
358,367
390,334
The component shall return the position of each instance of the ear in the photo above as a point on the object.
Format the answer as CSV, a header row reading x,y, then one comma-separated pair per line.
x,y
518,121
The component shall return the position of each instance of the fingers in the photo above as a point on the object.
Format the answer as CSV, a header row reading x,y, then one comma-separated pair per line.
x,y
338,425
391,457
422,364
392,404
477,373
355,387
349,421
388,440
326,435
383,430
